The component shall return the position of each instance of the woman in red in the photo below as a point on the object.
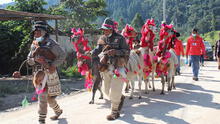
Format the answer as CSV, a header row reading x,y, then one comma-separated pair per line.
x,y
179,51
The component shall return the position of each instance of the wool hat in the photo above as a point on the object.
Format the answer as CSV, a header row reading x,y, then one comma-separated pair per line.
x,y
42,25
108,24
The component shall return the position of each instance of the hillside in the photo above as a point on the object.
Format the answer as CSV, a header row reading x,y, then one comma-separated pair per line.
x,y
185,14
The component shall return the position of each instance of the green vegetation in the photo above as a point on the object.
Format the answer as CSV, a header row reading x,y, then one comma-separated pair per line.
x,y
80,13
185,14
71,72
15,38
121,24
212,37
137,22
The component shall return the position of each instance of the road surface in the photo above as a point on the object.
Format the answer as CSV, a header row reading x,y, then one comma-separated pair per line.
x,y
193,102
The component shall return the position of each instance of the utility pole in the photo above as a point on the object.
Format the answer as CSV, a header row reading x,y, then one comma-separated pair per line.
x,y
164,10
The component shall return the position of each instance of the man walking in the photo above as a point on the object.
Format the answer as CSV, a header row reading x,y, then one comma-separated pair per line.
x,y
41,63
194,48
217,51
117,49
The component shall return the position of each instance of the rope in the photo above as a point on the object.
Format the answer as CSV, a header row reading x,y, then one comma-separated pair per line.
x,y
27,67
22,65
27,75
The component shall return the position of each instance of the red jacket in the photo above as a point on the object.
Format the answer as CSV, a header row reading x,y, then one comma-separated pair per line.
x,y
178,47
195,46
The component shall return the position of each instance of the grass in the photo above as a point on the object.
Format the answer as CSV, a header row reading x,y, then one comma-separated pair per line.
x,y
212,37
71,72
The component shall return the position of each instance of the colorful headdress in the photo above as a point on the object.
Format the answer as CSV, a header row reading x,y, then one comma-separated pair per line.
x,y
83,67
129,33
81,40
150,22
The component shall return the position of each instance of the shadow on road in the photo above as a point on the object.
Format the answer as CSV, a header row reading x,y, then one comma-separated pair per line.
x,y
150,105
62,121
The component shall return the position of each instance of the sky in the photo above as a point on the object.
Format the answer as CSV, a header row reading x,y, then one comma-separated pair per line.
x,y
5,1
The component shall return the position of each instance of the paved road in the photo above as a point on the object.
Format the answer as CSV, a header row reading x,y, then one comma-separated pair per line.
x,y
191,103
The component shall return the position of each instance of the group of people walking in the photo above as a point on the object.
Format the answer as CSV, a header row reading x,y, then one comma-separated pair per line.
x,y
118,52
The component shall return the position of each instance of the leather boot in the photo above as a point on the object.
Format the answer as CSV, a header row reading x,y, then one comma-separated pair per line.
x,y
114,115
55,117
42,122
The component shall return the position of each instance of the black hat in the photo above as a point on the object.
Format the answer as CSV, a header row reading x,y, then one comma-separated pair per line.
x,y
42,25
108,24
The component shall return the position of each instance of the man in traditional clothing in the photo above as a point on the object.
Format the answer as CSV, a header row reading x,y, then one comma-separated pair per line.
x,y
52,87
117,49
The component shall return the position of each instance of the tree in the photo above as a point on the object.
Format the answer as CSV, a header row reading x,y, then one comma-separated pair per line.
x,y
185,14
80,13
15,36
137,22
121,24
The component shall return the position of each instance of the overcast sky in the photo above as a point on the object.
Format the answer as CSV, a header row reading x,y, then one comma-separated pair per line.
x,y
5,1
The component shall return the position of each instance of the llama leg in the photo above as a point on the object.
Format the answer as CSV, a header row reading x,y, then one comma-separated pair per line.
x,y
146,86
173,83
94,89
169,85
163,83
139,86
132,89
101,93
153,80
127,87
97,83
149,83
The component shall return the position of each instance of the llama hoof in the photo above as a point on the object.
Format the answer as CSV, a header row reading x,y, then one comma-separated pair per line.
x,y
162,93
174,87
169,89
91,102
139,97
101,97
130,97
154,89
126,91
146,92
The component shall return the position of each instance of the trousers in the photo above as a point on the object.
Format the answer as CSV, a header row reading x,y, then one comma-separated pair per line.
x,y
43,100
195,65
112,87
